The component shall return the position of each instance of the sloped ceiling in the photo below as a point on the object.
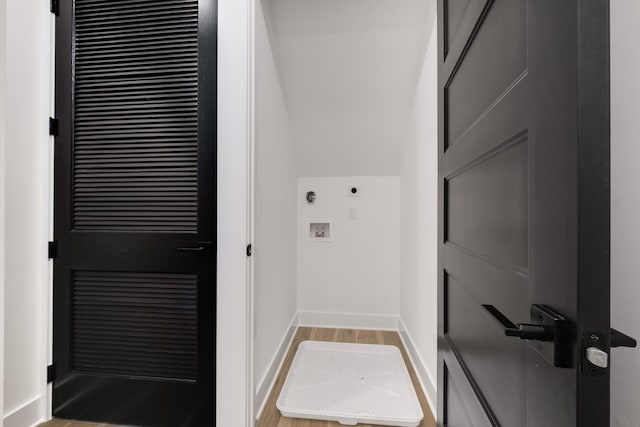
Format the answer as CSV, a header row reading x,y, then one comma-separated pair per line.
x,y
349,69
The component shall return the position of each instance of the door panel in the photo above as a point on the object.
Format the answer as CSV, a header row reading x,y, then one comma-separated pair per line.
x,y
455,10
463,408
135,117
487,205
503,375
523,186
134,281
499,50
135,324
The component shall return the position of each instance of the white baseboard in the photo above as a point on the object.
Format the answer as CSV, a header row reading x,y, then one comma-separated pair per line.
x,y
30,414
347,320
268,380
425,378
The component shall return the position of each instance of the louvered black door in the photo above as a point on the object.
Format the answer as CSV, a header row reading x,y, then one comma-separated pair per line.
x,y
134,280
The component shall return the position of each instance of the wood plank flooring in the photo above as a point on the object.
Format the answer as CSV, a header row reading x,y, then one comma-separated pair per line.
x,y
271,417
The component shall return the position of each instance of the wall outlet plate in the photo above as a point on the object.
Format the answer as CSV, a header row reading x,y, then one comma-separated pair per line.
x,y
354,191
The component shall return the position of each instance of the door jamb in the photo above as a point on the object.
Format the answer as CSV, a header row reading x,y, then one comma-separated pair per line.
x,y
234,328
251,388
50,185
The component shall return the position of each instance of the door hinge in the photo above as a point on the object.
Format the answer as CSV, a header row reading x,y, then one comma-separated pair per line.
x,y
53,250
249,250
55,7
51,373
54,126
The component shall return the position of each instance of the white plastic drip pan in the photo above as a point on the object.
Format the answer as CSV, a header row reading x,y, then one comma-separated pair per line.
x,y
350,384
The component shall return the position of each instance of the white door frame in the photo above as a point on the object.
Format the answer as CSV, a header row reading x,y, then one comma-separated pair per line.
x,y
234,336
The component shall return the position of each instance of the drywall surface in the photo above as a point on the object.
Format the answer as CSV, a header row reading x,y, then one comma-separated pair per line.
x,y
349,70
3,86
275,208
233,386
625,208
26,209
419,228
358,270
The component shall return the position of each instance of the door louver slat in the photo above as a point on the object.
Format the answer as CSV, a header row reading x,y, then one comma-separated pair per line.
x,y
141,324
135,115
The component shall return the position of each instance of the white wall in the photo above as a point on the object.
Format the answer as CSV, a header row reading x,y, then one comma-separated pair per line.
x,y
275,210
233,345
358,271
419,242
625,212
26,221
3,85
349,70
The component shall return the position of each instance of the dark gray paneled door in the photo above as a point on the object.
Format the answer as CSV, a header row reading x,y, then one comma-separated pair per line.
x,y
524,213
135,218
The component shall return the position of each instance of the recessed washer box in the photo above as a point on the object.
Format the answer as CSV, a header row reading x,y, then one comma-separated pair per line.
x,y
320,231
350,384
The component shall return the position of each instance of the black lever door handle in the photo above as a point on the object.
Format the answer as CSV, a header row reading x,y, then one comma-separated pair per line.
x,y
549,328
525,331
618,339
200,248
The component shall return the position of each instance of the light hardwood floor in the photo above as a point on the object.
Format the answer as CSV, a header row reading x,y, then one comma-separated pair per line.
x,y
271,417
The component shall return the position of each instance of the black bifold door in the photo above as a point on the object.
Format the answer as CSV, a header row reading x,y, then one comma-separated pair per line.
x,y
134,276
